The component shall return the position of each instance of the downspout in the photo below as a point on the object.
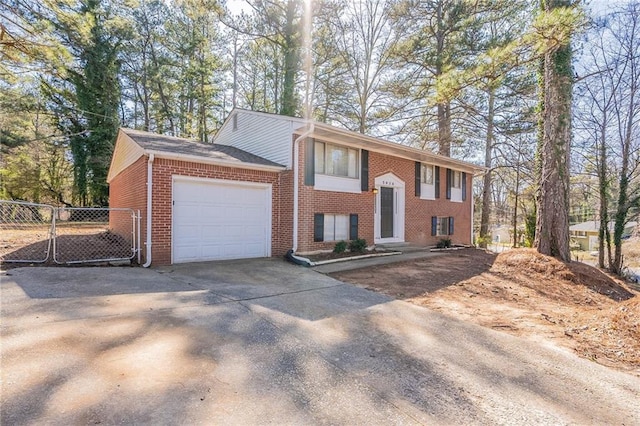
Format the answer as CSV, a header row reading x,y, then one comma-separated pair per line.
x,y
472,210
149,199
296,175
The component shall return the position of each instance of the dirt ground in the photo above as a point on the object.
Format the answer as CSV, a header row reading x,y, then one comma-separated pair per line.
x,y
73,244
523,293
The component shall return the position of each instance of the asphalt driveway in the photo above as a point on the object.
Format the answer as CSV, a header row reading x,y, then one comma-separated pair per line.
x,y
265,342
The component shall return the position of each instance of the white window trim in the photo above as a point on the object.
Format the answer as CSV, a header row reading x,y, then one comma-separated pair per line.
x,y
427,190
456,192
337,184
456,195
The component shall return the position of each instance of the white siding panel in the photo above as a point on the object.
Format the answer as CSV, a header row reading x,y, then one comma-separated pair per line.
x,y
428,192
126,153
267,136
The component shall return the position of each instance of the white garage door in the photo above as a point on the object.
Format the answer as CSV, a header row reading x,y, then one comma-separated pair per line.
x,y
217,219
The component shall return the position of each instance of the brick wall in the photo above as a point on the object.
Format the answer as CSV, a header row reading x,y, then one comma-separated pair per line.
x,y
164,169
418,212
129,190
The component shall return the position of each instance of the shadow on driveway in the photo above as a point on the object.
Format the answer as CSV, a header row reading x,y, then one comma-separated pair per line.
x,y
267,342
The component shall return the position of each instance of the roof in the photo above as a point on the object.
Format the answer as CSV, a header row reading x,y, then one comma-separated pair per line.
x,y
132,144
162,143
594,226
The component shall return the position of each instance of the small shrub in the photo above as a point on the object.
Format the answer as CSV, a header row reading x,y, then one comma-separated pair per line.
x,y
358,246
444,243
340,247
530,229
483,241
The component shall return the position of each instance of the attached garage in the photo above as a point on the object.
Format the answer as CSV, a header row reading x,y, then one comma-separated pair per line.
x,y
198,201
215,219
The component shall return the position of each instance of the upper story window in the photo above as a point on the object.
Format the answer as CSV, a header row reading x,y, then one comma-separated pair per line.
x,y
457,179
426,174
335,160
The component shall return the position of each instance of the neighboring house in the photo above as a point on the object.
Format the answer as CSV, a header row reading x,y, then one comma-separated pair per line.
x,y
501,234
585,234
272,183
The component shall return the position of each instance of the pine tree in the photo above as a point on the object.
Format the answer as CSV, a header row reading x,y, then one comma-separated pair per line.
x,y
552,222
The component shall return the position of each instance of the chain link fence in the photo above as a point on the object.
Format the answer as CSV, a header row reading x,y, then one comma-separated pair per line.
x,y
85,235
25,232
36,233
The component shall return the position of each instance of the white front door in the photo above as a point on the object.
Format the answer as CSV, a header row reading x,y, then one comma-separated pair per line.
x,y
218,219
389,209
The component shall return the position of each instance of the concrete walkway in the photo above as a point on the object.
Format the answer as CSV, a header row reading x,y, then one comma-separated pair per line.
x,y
407,253
266,342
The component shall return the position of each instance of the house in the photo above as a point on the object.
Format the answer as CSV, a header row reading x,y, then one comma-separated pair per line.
x,y
270,183
585,234
502,234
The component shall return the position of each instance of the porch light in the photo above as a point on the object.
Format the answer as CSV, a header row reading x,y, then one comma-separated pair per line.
x,y
374,190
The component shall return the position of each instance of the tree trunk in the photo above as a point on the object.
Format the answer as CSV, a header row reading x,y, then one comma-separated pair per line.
x,y
515,204
486,192
622,206
444,108
603,190
291,54
552,225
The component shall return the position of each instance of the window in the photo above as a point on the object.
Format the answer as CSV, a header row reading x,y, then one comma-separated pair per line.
x,y
426,174
457,179
336,160
441,225
335,227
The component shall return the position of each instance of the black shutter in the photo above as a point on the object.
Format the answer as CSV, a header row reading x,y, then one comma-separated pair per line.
x,y
434,225
437,181
309,163
353,226
449,173
464,186
450,225
418,179
318,227
364,170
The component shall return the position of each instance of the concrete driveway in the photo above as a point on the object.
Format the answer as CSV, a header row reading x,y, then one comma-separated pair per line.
x,y
265,342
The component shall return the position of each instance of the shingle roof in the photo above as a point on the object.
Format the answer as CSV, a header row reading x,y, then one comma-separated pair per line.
x,y
162,143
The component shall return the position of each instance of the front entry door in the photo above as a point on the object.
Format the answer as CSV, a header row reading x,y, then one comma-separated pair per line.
x,y
386,212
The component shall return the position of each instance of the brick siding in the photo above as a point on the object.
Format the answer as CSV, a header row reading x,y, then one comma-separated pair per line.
x,y
418,212
128,189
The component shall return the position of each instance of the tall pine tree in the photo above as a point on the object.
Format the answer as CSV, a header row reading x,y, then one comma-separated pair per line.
x,y
552,225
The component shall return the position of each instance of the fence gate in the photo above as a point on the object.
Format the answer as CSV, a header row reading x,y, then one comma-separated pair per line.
x,y
41,233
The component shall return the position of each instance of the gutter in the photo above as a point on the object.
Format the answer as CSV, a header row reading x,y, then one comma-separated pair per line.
x,y
149,199
296,173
